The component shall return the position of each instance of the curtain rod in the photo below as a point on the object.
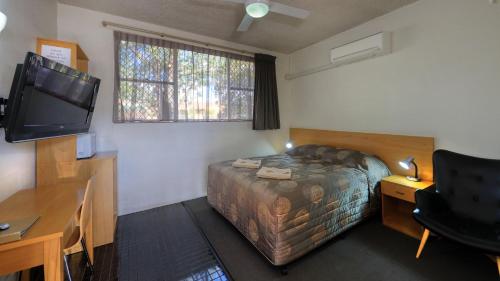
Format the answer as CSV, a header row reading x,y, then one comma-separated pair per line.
x,y
173,37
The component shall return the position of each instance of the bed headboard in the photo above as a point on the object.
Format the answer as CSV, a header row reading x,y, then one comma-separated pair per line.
x,y
390,148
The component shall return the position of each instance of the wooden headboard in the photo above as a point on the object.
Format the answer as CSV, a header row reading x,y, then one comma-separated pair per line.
x,y
390,148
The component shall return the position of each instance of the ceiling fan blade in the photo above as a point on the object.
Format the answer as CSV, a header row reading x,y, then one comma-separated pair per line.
x,y
288,10
236,1
245,23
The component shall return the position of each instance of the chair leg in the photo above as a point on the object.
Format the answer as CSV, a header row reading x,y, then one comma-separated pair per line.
x,y
86,253
422,242
498,264
66,267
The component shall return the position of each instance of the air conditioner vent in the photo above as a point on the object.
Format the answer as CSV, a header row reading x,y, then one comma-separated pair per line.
x,y
375,45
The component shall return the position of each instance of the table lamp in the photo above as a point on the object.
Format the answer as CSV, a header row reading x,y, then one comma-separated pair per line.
x,y
406,164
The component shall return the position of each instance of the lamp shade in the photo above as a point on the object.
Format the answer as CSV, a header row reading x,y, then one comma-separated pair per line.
x,y
257,8
406,164
3,21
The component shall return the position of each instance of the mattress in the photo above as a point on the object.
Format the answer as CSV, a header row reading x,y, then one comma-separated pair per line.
x,y
330,191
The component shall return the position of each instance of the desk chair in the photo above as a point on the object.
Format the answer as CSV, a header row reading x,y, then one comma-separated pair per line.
x,y
78,236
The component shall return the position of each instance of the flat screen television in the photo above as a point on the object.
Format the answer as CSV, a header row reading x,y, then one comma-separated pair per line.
x,y
48,99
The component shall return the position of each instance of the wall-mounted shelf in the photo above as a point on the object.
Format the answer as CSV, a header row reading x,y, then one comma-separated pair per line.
x,y
78,59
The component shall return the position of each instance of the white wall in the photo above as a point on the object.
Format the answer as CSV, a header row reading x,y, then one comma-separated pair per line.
x,y
27,20
161,163
442,80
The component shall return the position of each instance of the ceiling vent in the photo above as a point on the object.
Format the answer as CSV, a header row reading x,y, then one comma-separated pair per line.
x,y
372,46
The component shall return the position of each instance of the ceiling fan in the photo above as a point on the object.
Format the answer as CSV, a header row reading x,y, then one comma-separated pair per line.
x,y
258,8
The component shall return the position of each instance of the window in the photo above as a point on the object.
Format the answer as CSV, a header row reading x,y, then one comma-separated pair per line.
x,y
159,80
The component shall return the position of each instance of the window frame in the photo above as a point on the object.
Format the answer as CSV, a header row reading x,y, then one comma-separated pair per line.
x,y
175,84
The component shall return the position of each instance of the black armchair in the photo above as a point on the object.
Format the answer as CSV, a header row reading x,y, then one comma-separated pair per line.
x,y
465,204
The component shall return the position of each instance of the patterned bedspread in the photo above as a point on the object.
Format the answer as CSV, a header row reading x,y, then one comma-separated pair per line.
x,y
330,191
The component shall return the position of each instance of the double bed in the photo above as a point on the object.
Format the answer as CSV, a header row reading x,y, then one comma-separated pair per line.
x,y
331,190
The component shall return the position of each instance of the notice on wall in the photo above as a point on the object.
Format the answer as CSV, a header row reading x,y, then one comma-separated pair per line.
x,y
58,54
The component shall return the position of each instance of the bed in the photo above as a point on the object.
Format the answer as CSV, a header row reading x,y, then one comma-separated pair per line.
x,y
331,190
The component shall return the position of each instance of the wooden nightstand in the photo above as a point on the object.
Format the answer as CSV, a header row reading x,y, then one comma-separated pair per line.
x,y
398,203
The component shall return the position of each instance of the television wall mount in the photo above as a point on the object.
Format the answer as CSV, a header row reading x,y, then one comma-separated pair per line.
x,y
3,107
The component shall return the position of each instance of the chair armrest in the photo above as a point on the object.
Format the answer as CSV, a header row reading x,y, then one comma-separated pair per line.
x,y
428,201
431,189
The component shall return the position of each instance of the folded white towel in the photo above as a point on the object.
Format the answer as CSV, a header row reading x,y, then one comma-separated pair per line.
x,y
274,173
247,163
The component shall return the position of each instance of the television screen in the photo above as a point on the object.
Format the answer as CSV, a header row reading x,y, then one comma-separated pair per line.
x,y
48,99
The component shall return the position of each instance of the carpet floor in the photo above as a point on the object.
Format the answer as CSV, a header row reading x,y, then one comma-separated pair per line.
x,y
369,251
164,244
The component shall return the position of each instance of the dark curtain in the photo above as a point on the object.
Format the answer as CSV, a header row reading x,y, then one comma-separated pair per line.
x,y
266,114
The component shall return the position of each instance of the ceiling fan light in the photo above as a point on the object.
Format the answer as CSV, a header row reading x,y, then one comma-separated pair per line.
x,y
257,9
3,21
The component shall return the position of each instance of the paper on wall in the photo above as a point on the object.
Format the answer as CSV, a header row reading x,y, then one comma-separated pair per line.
x,y
58,54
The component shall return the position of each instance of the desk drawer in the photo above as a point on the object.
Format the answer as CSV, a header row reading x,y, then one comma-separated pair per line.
x,y
398,191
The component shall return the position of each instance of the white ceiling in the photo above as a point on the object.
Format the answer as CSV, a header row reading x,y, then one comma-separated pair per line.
x,y
219,19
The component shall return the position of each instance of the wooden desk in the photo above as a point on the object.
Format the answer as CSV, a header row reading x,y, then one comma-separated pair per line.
x,y
57,206
56,163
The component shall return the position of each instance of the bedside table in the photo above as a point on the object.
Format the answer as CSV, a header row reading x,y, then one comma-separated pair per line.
x,y
398,203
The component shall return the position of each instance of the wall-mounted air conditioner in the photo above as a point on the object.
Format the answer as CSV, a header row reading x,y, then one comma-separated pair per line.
x,y
372,46
375,45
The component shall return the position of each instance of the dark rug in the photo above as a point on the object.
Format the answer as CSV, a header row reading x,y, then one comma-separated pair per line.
x,y
164,244
369,251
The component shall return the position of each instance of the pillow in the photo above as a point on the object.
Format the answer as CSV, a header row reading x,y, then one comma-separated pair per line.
x,y
339,156
308,151
319,152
